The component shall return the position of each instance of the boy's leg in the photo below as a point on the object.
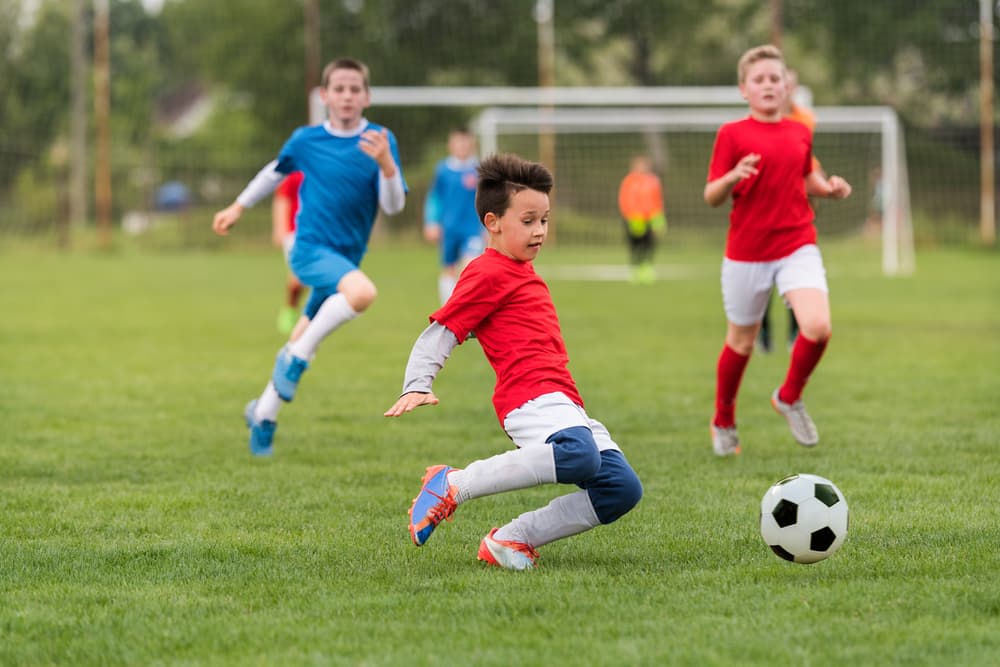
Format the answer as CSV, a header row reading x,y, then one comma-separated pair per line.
x,y
802,281
806,354
606,496
746,291
568,455
729,375
261,416
764,336
446,285
645,273
793,328
444,488
288,316
340,292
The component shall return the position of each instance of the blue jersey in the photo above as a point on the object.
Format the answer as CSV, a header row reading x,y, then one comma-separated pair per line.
x,y
339,196
454,191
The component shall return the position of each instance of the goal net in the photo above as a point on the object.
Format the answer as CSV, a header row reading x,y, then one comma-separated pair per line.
x,y
593,146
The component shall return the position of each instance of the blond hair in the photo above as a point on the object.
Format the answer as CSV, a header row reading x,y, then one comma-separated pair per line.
x,y
344,63
756,54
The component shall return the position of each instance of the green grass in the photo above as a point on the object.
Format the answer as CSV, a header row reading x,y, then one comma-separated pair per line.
x,y
135,528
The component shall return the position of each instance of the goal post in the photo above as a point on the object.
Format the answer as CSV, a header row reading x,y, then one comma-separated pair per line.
x,y
861,143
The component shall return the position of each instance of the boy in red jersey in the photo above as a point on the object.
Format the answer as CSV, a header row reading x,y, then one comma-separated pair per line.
x,y
761,162
502,299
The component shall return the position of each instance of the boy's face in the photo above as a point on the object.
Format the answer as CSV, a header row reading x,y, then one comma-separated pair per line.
x,y
461,145
764,87
520,232
346,97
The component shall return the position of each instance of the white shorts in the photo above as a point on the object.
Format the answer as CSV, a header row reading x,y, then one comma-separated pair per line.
x,y
746,286
531,424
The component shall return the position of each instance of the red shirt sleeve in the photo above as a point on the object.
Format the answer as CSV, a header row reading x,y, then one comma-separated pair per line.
x,y
475,297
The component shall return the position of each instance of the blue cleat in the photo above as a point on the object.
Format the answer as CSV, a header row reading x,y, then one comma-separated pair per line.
x,y
434,504
261,432
287,370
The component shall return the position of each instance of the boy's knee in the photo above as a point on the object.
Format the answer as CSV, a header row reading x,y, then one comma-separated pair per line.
x,y
616,489
576,455
359,291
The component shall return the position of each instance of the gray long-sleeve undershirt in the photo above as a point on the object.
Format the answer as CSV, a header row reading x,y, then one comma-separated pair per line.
x,y
430,351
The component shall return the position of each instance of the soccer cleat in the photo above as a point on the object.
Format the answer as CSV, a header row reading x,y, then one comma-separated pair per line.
x,y
434,504
261,432
288,317
288,369
725,440
506,554
801,425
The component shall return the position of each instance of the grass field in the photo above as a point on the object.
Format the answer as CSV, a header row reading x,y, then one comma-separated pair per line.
x,y
135,529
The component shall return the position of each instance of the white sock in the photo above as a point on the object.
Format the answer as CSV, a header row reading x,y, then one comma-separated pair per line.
x,y
446,285
334,312
517,469
564,516
268,404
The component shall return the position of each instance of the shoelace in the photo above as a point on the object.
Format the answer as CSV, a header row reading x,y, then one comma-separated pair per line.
x,y
522,547
530,551
441,511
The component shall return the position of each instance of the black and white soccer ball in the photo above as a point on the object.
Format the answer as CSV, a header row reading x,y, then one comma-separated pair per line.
x,y
803,518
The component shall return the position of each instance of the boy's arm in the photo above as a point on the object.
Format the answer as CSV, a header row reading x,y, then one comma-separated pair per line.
x,y
718,190
263,184
391,191
427,358
834,187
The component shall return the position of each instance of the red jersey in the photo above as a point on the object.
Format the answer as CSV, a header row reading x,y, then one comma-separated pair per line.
x,y
509,307
771,217
289,188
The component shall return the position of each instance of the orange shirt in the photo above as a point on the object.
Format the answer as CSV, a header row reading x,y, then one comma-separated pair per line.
x,y
640,195
807,118
804,116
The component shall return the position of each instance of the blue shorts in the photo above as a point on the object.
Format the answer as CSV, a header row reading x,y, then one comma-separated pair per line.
x,y
455,247
320,268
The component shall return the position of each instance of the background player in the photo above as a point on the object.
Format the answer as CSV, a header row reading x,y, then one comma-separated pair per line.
x,y
351,168
450,217
640,201
761,162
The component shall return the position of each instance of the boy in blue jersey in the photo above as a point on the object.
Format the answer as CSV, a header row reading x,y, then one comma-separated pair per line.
x,y
450,216
351,169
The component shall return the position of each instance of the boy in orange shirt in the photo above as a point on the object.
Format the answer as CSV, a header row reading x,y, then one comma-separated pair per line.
x,y
640,200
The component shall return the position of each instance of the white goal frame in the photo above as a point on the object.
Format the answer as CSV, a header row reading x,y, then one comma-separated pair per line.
x,y
897,229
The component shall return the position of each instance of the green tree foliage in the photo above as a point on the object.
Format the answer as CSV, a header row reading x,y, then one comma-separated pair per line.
x,y
34,82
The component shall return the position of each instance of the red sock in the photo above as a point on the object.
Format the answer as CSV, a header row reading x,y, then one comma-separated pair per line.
x,y
729,374
805,356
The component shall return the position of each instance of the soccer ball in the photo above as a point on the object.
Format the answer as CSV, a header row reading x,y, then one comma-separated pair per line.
x,y
803,518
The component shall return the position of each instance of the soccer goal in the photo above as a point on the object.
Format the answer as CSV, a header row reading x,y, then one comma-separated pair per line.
x,y
594,144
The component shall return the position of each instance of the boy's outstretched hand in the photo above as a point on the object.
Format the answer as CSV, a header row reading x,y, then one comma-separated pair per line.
x,y
839,188
226,218
407,402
